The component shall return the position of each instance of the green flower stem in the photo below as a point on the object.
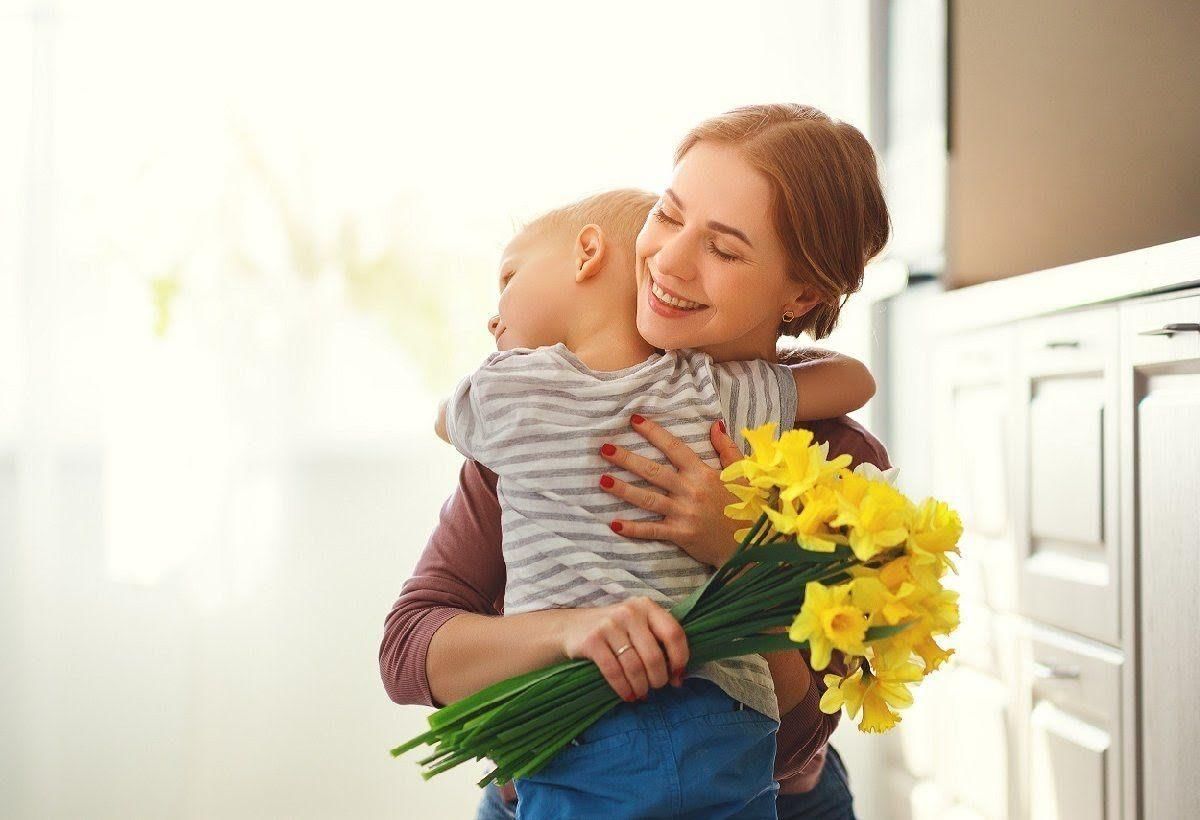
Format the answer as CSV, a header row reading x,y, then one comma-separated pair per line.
x,y
461,757
568,710
587,720
566,683
521,722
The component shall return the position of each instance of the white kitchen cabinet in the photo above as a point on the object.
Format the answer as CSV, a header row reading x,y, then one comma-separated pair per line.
x,y
1066,512
1162,354
972,456
974,761
1074,766
1066,431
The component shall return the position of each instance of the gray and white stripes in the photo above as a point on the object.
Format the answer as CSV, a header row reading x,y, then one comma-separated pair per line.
x,y
537,418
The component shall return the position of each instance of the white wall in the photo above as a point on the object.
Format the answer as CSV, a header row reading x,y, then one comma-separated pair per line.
x,y
202,531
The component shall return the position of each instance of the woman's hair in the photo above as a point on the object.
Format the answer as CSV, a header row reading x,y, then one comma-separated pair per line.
x,y
829,208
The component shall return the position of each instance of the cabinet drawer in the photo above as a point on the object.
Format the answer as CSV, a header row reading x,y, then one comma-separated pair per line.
x,y
1074,728
1162,330
984,356
1067,537
1079,342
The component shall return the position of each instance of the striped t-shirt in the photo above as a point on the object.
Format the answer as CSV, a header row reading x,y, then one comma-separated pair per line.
x,y
538,417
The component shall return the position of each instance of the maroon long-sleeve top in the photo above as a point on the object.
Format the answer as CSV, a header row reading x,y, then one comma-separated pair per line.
x,y
462,570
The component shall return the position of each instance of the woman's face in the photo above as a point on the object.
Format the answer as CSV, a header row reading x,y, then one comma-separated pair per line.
x,y
710,269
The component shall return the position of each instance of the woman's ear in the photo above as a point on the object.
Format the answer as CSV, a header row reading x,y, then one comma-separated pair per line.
x,y
805,301
591,248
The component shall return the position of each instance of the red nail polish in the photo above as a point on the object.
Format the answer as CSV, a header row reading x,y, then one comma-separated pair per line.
x,y
608,450
637,419
616,526
721,424
606,481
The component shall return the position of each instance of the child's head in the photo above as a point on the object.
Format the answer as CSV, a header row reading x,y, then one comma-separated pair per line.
x,y
571,270
772,214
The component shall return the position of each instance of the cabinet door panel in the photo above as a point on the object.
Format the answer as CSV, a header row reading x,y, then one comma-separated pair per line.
x,y
976,741
1066,440
1067,536
1168,499
1068,760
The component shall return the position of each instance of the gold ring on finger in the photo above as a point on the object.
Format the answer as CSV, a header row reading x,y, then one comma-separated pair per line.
x,y
623,648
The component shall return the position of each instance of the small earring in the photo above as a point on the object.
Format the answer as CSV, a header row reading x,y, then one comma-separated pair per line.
x,y
788,316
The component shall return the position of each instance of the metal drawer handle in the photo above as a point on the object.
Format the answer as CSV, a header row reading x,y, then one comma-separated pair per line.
x,y
1170,330
1057,343
1051,671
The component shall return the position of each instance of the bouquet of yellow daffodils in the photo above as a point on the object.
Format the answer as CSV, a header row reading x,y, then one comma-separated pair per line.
x,y
840,559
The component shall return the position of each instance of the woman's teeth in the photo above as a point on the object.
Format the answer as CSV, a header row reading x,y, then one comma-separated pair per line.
x,y
663,296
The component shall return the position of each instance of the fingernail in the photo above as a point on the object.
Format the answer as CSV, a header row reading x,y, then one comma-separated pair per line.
x,y
606,481
642,699
721,424
608,450
637,419
616,526
628,698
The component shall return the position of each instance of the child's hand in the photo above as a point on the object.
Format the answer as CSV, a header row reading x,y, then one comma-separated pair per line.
x,y
439,426
693,504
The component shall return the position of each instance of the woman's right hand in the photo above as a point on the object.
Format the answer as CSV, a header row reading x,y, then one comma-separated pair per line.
x,y
658,650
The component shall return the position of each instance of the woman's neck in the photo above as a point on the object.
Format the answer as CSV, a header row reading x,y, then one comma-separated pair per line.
x,y
759,344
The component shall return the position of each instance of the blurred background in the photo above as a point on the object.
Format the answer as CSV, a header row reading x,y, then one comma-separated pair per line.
x,y
246,247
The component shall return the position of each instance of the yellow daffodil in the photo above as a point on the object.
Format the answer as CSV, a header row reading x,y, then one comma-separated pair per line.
x,y
932,653
828,620
804,464
875,512
940,611
903,571
934,532
783,519
758,468
882,604
876,693
812,531
751,504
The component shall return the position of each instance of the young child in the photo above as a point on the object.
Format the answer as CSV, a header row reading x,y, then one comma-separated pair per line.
x,y
570,372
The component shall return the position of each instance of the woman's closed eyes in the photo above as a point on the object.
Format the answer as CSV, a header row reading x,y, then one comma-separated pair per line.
x,y
662,217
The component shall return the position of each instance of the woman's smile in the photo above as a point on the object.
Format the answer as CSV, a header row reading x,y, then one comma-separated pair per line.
x,y
666,304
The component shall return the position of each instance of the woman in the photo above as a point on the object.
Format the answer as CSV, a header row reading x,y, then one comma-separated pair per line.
x,y
776,199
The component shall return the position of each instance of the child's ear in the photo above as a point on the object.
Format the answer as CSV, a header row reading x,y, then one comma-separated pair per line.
x,y
591,247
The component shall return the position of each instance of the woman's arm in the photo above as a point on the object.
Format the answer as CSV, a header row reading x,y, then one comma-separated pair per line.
x,y
829,384
444,639
461,570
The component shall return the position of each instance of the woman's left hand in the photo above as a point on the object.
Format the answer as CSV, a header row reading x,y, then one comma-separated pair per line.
x,y
690,497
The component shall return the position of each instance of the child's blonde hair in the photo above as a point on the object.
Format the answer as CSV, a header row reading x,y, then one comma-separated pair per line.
x,y
620,214
830,212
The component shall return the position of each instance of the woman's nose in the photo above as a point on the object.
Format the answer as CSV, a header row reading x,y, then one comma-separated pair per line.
x,y
493,323
673,258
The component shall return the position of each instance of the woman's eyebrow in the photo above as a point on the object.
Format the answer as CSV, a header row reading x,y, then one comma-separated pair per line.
x,y
716,226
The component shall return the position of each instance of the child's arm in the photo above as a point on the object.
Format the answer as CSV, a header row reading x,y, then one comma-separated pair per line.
x,y
829,384
439,426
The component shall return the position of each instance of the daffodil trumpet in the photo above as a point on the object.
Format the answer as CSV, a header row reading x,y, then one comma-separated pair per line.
x,y
838,558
